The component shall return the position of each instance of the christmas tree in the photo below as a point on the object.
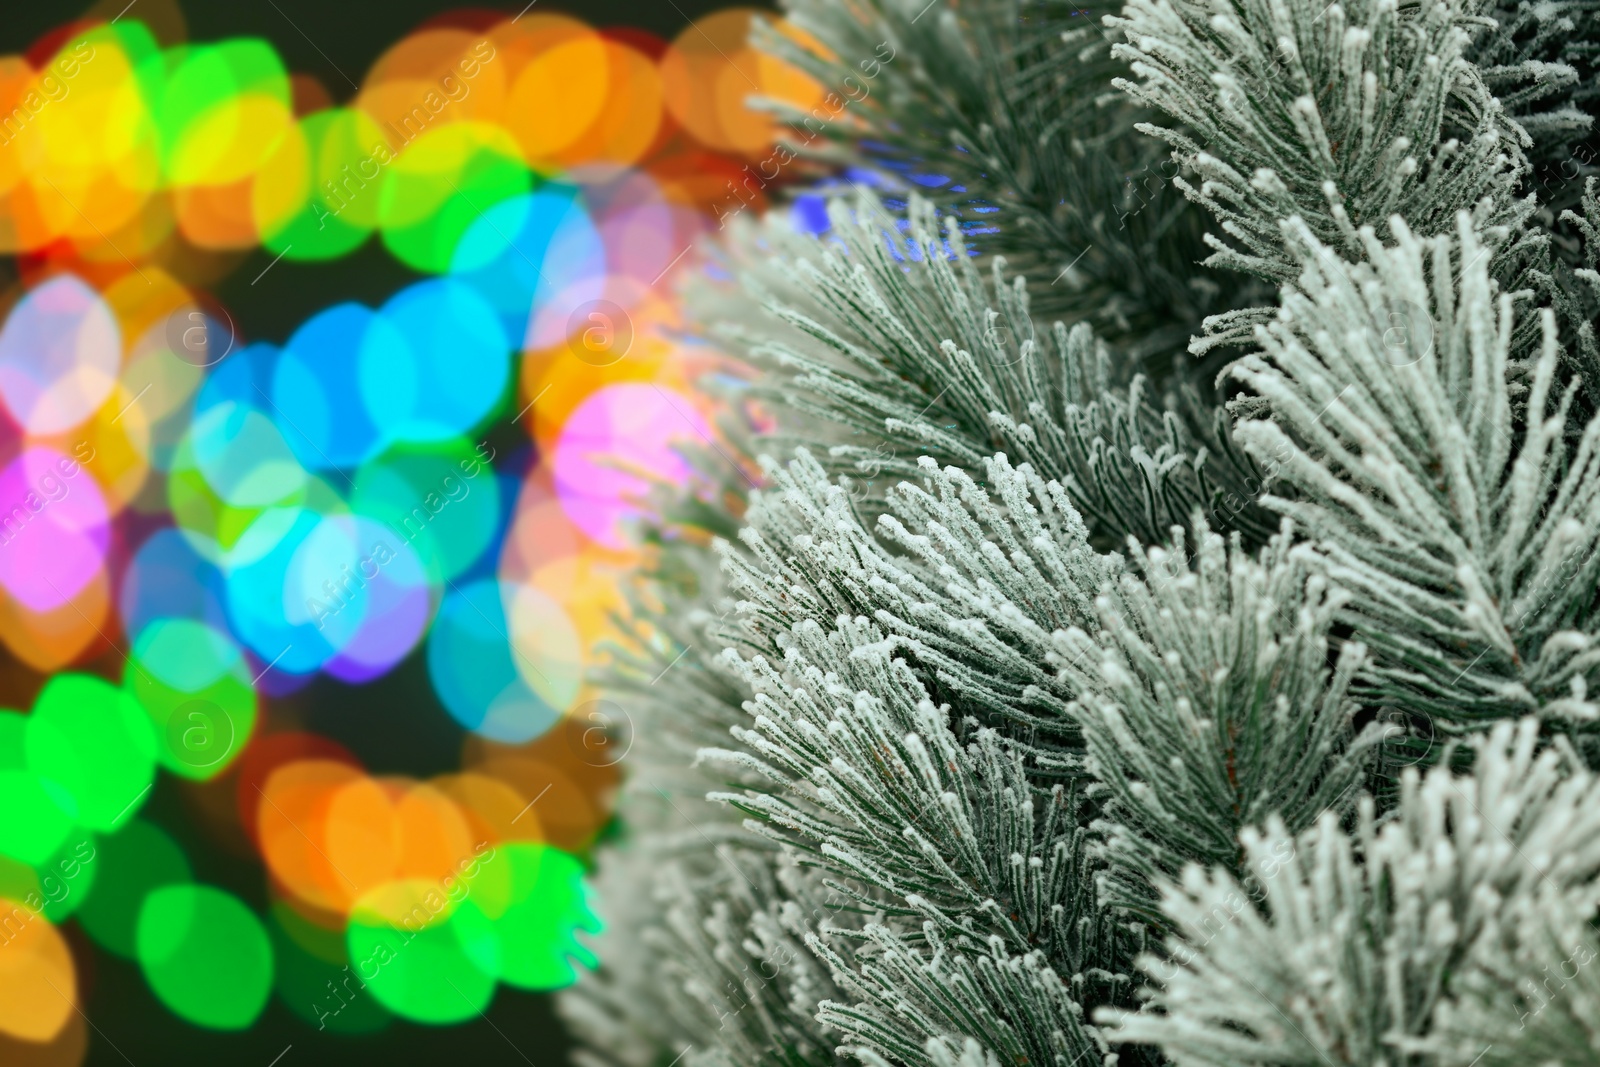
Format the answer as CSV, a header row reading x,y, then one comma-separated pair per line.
x,y
1143,607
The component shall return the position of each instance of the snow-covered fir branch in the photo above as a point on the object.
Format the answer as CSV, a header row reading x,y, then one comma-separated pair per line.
x,y
1464,520
1388,944
1345,114
893,346
1206,704
1003,670
1001,111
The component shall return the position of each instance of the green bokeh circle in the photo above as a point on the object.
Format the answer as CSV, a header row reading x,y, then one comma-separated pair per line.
x,y
205,955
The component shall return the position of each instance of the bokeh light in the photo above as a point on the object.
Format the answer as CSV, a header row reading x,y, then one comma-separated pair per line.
x,y
205,528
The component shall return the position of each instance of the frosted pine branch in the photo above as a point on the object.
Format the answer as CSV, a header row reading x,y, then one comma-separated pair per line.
x,y
1343,114
1207,704
1538,61
895,346
974,615
1358,948
1003,669
1465,524
1007,100
936,826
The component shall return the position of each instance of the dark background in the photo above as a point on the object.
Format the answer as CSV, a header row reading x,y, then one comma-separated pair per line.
x,y
395,724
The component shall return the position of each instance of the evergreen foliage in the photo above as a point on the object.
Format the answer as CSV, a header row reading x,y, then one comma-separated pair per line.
x,y
1011,100
845,331
1426,936
1148,629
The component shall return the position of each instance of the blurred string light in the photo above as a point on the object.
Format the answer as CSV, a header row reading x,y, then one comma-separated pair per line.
x,y
231,518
